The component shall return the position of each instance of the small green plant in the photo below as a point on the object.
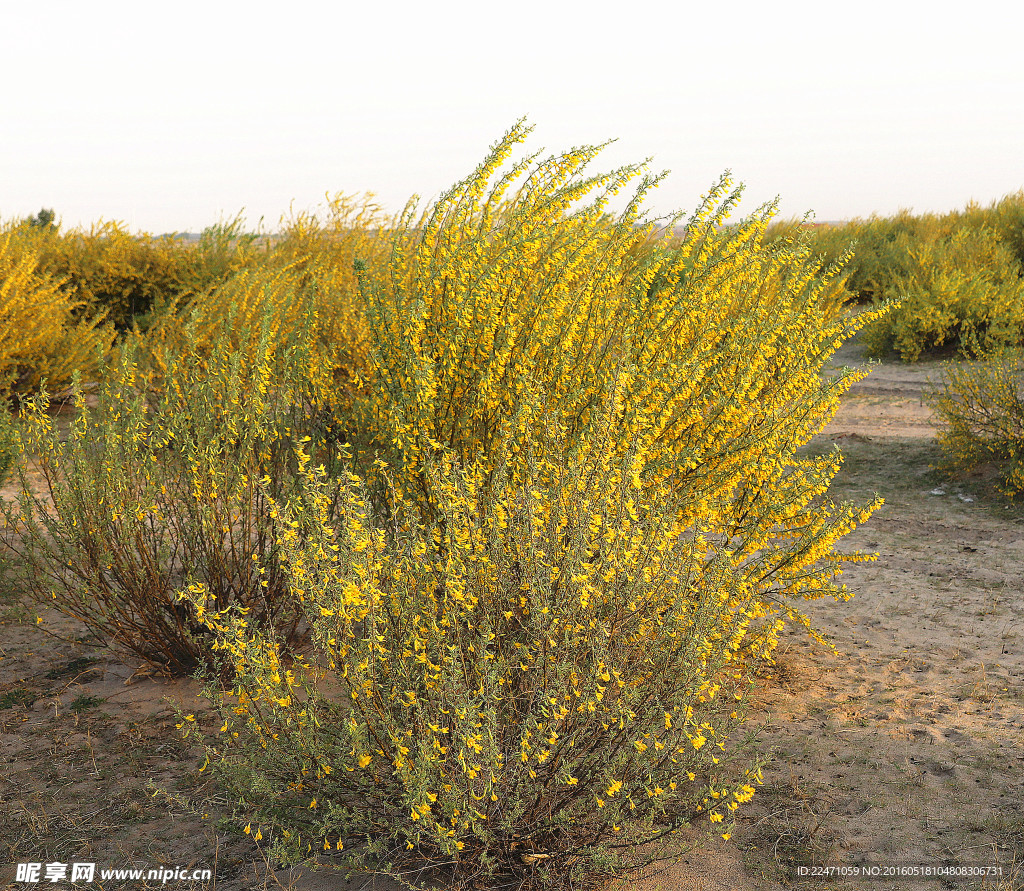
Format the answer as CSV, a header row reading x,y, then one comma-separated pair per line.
x,y
11,698
75,667
85,702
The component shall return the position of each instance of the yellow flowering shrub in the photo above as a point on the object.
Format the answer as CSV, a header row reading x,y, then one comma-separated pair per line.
x,y
151,490
553,669
490,313
958,275
109,271
42,336
980,407
968,288
576,520
876,250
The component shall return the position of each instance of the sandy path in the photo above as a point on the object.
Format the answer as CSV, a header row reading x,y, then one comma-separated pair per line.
x,y
888,402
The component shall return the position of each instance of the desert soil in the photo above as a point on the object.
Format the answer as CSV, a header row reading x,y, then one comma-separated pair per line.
x,y
904,750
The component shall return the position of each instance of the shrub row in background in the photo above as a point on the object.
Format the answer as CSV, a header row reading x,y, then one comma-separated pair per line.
x,y
958,275
959,278
66,296
123,276
45,335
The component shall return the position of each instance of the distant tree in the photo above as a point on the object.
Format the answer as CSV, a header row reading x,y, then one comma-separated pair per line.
x,y
44,219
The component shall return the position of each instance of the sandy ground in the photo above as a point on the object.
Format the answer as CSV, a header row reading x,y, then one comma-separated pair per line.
x,y
904,751
908,749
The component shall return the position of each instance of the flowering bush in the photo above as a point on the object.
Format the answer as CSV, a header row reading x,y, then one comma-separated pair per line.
x,y
42,337
966,289
152,489
300,296
493,692
111,272
957,275
980,406
575,521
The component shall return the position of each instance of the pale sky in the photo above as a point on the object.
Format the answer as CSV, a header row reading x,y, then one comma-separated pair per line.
x,y
170,116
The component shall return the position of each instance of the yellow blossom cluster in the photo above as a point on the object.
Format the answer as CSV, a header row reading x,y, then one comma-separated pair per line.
x,y
42,337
